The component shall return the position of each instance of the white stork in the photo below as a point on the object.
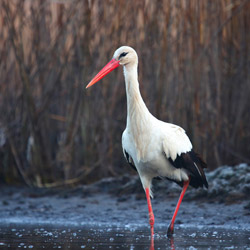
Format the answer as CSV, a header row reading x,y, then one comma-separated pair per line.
x,y
153,147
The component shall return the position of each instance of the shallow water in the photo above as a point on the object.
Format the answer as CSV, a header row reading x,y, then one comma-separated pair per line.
x,y
116,237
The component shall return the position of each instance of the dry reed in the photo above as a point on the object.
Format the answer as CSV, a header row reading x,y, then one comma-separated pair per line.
x,y
194,65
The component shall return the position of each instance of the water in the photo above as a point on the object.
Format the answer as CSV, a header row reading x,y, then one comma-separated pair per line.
x,y
128,237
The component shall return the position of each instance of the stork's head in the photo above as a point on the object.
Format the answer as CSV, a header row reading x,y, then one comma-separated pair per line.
x,y
124,56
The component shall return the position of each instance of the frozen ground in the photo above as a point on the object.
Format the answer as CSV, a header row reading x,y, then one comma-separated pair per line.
x,y
121,201
112,214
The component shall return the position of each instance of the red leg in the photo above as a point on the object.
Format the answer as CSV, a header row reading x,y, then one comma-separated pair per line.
x,y
171,226
150,212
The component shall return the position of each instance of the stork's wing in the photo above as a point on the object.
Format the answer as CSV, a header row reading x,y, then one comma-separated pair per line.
x,y
178,150
192,162
129,159
175,141
125,146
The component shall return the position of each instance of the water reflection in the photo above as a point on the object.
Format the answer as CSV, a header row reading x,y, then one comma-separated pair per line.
x,y
15,237
152,247
169,240
172,243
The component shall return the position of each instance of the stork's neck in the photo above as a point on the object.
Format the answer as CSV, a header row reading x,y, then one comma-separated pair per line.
x,y
136,108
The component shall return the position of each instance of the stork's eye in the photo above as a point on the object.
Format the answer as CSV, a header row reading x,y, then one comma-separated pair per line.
x,y
122,55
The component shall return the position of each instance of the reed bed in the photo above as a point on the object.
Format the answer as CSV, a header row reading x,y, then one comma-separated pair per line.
x,y
194,64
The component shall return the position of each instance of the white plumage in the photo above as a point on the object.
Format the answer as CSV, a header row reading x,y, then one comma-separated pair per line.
x,y
153,147
147,140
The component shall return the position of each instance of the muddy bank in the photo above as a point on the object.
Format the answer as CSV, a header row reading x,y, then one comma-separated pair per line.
x,y
121,201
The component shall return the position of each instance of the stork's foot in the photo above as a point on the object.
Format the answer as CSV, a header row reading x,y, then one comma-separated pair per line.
x,y
170,232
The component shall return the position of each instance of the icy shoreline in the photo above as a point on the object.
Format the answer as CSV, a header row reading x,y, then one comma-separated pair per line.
x,y
121,201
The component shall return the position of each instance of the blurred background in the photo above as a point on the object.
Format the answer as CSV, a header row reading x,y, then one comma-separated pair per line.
x,y
194,66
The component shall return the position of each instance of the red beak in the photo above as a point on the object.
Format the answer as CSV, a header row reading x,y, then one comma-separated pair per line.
x,y
107,69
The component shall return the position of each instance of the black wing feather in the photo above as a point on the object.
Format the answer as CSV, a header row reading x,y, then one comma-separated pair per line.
x,y
194,164
130,160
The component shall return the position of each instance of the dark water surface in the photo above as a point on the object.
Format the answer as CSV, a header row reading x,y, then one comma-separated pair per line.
x,y
116,237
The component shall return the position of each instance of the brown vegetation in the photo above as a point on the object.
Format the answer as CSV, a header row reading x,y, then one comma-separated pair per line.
x,y
194,64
